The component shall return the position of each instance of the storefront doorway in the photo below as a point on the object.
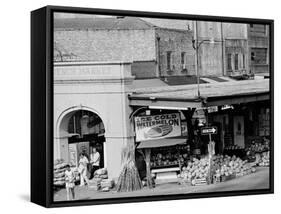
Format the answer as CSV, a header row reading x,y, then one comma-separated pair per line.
x,y
238,129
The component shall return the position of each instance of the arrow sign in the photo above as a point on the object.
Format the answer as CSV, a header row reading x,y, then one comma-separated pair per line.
x,y
209,130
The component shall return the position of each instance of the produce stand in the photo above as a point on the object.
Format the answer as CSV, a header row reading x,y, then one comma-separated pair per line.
x,y
258,153
166,172
238,152
165,175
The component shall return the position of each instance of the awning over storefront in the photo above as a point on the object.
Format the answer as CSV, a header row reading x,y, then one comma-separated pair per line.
x,y
161,143
185,96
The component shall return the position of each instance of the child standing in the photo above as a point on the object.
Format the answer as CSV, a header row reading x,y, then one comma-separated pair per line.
x,y
69,183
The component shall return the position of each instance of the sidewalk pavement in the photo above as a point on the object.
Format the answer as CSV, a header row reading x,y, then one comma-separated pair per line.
x,y
258,180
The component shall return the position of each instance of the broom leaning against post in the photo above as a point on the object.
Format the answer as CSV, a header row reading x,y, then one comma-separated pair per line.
x,y
129,179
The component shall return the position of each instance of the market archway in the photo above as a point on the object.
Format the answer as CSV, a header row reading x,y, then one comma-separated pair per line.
x,y
79,130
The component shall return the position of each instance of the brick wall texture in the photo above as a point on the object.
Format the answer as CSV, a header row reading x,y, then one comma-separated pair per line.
x,y
105,45
176,42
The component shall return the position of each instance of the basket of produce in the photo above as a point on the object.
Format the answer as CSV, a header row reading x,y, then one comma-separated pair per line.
x,y
264,159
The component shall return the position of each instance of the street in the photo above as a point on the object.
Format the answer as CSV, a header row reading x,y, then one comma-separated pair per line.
x,y
257,180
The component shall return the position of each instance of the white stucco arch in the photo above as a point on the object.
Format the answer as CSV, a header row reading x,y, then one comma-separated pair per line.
x,y
67,113
101,88
62,135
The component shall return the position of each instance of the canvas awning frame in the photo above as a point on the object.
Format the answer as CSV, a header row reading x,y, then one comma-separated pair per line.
x,y
164,142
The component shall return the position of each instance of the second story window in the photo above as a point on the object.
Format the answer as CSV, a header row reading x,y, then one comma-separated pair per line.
x,y
259,56
258,28
236,56
229,62
183,60
169,55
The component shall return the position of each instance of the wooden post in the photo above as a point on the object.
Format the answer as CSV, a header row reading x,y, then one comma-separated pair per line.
x,y
190,129
211,147
147,152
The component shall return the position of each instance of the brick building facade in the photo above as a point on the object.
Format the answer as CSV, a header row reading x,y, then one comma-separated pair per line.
x,y
176,55
225,50
259,48
160,48
154,51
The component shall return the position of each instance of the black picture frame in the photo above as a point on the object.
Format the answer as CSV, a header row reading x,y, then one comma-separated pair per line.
x,y
42,104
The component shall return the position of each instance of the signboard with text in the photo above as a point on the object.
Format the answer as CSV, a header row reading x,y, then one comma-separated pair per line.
x,y
209,130
157,126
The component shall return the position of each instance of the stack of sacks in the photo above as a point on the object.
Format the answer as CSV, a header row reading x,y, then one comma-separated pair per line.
x,y
101,181
59,173
101,173
107,184
95,184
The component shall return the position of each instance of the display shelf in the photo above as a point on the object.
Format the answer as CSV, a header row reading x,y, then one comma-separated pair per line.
x,y
165,166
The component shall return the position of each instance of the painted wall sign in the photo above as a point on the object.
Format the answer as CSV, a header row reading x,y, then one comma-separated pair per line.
x,y
157,126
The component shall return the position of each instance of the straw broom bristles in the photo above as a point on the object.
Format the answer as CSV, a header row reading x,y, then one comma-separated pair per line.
x,y
129,179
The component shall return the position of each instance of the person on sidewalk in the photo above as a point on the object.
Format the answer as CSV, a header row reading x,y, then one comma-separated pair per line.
x,y
95,161
82,169
69,183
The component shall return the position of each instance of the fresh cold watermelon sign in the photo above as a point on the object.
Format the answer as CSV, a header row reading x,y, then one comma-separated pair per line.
x,y
157,126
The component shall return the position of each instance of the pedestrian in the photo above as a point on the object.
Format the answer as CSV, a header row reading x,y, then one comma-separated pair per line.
x,y
69,183
82,169
95,161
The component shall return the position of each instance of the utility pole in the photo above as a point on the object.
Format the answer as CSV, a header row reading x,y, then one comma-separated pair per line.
x,y
196,45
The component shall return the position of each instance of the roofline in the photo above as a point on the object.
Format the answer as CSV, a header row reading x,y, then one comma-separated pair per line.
x,y
78,63
196,100
201,99
101,29
211,98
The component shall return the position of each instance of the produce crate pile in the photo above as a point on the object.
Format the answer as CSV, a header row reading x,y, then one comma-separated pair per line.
x,y
259,153
169,156
263,159
196,172
228,167
258,147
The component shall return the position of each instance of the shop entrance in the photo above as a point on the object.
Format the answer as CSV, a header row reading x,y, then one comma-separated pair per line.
x,y
238,129
80,132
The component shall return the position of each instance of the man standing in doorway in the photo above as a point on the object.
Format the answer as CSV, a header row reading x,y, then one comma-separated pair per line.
x,y
95,161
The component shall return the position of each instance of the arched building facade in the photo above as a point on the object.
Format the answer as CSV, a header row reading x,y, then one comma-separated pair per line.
x,y
98,90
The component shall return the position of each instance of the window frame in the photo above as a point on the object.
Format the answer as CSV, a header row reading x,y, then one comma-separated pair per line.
x,y
236,61
169,60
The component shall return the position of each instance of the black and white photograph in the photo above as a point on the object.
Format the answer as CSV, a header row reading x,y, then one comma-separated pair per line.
x,y
155,106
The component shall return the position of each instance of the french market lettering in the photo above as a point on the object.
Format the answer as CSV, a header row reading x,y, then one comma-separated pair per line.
x,y
157,126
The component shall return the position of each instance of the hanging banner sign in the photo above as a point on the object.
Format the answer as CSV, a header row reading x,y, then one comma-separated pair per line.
x,y
157,126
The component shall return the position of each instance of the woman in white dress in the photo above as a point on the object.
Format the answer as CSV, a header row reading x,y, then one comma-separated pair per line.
x,y
82,169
